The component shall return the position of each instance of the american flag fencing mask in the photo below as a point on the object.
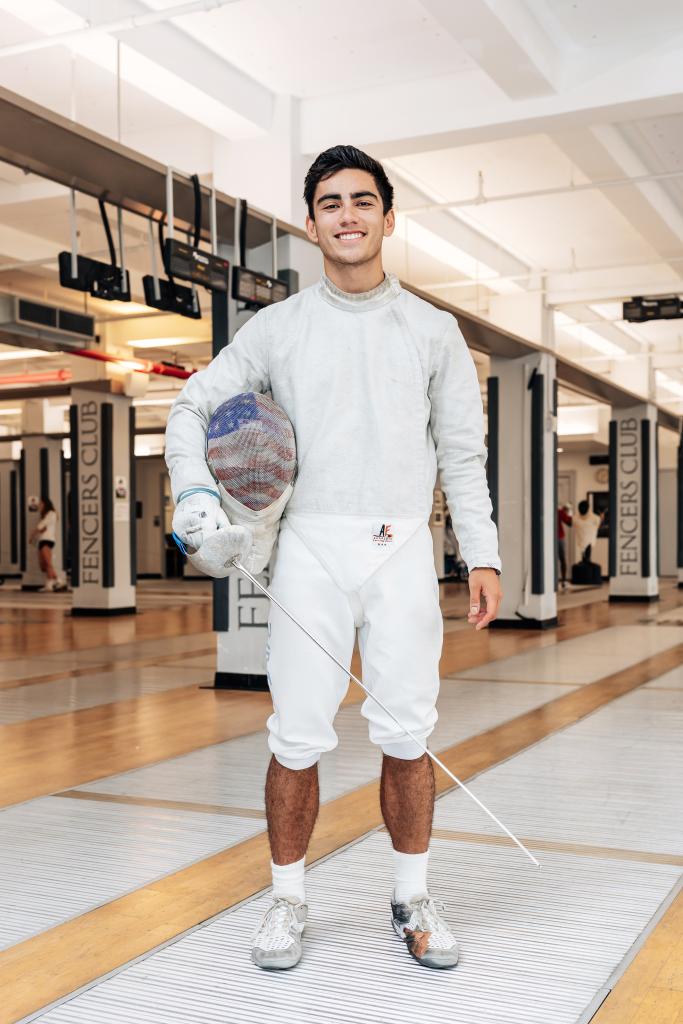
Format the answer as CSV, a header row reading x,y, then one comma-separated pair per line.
x,y
251,452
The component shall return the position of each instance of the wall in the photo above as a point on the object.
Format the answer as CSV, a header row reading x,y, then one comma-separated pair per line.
x,y
150,532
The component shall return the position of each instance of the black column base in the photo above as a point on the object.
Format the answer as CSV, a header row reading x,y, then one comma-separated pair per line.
x,y
633,598
82,612
239,681
524,623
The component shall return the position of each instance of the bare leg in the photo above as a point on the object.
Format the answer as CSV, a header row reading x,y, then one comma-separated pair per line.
x,y
407,800
49,568
292,802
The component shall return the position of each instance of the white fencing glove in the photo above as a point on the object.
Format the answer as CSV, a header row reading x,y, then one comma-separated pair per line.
x,y
205,534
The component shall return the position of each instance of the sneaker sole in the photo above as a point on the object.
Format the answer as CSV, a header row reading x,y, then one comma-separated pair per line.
x,y
275,966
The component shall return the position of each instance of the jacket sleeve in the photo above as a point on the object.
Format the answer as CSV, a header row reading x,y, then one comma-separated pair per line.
x,y
240,366
457,425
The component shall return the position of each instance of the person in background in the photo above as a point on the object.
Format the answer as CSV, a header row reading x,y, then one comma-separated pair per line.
x,y
586,526
44,535
564,518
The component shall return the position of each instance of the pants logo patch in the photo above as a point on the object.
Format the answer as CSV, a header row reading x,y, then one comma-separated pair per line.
x,y
382,535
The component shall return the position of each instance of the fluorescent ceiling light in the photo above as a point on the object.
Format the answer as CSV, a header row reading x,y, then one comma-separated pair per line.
x,y
27,353
48,17
586,335
502,285
167,342
578,419
10,412
153,401
663,380
129,364
611,311
441,249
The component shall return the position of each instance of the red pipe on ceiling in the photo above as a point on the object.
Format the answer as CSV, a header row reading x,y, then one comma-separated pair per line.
x,y
46,377
139,365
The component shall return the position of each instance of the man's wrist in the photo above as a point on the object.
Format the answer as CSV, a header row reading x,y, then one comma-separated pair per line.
x,y
476,567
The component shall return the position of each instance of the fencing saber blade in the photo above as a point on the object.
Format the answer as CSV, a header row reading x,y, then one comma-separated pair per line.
x,y
392,716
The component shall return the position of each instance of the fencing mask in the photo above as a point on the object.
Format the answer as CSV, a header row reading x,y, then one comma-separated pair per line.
x,y
251,452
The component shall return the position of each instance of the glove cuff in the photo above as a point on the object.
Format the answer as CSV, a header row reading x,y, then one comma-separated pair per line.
x,y
198,490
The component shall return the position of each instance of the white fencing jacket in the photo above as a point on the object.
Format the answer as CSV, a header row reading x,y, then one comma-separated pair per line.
x,y
381,390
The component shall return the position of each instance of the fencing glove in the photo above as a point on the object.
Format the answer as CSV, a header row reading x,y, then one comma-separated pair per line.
x,y
206,535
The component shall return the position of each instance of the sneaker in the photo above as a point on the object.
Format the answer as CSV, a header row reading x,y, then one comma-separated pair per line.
x,y
276,946
425,932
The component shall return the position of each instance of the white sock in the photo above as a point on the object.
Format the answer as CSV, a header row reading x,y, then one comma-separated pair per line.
x,y
288,880
410,875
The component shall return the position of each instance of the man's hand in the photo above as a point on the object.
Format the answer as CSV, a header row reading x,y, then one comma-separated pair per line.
x,y
485,595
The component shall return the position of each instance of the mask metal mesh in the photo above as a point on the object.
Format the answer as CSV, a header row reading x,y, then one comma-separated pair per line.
x,y
251,449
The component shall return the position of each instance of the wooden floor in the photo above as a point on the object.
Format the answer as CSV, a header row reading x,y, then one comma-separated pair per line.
x,y
53,754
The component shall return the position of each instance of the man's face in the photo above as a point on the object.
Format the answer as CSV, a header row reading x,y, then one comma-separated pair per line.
x,y
349,222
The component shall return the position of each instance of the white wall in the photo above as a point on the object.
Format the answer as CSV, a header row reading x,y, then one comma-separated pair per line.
x,y
150,528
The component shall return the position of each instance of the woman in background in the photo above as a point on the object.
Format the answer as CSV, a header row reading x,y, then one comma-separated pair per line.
x,y
44,536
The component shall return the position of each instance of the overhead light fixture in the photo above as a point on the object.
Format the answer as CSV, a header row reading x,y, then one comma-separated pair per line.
x,y
663,380
167,342
153,401
441,249
26,353
132,364
578,419
10,412
586,335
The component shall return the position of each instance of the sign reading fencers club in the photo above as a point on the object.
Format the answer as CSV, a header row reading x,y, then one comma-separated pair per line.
x,y
633,509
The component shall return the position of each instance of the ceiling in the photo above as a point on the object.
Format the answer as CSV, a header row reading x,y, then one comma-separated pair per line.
x,y
554,128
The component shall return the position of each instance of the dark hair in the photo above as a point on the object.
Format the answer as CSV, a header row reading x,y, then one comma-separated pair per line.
x,y
337,158
47,504
583,507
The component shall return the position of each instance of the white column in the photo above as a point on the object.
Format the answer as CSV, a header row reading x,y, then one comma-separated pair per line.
x,y
241,624
633,504
679,513
102,503
9,517
522,443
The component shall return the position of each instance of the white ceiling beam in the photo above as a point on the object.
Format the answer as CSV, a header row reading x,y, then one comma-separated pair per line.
x,y
452,229
167,46
465,107
600,151
505,40
589,286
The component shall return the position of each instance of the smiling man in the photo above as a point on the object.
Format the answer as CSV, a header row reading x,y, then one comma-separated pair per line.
x,y
382,391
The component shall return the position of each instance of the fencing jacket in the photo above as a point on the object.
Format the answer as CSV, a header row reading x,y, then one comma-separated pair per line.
x,y
381,390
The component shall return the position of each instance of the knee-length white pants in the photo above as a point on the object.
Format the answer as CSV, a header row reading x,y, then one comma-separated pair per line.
x,y
397,614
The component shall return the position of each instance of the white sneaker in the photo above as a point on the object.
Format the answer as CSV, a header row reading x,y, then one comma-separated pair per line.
x,y
425,933
276,946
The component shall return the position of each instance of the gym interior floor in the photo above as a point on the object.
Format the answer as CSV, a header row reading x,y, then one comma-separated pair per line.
x,y
134,858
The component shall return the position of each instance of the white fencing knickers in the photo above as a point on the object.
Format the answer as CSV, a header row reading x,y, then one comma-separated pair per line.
x,y
390,596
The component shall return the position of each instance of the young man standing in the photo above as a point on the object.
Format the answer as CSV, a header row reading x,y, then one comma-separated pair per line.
x,y
381,390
